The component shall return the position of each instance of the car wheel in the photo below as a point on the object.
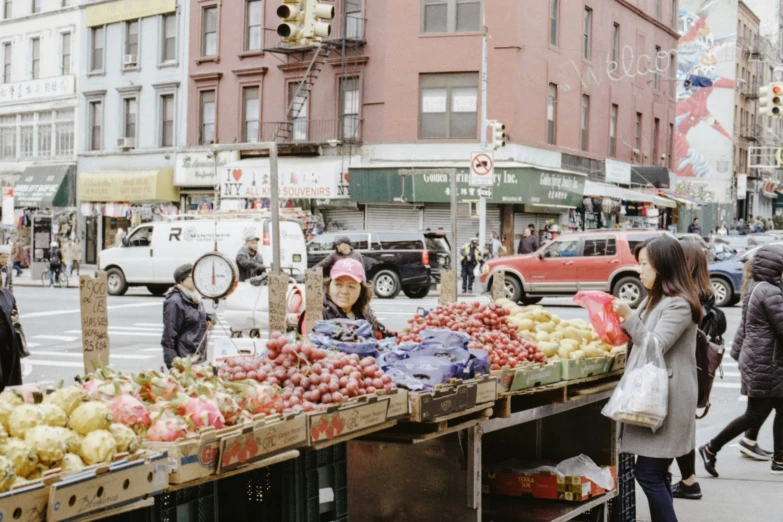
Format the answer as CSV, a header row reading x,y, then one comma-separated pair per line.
x,y
115,282
723,292
416,293
531,300
513,288
158,290
629,289
386,284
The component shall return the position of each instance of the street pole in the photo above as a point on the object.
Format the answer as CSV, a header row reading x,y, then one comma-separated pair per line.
x,y
274,191
482,200
454,245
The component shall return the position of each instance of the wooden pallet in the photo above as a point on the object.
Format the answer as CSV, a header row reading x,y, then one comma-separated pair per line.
x,y
417,432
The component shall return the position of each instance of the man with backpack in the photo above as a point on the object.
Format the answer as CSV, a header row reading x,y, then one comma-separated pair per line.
x,y
55,262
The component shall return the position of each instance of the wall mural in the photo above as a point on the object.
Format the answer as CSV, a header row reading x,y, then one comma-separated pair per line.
x,y
705,94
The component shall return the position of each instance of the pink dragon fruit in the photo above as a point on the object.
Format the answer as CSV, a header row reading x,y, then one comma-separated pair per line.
x,y
167,427
203,412
130,411
155,386
91,387
229,408
255,397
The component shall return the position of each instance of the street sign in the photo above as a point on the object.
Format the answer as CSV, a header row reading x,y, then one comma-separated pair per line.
x,y
485,192
481,169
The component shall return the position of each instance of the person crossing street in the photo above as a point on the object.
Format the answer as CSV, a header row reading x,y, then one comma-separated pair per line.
x,y
470,256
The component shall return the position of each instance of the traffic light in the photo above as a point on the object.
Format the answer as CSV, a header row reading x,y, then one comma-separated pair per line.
x,y
292,12
316,20
771,100
498,134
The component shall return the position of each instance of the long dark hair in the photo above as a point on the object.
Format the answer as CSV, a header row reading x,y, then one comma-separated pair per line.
x,y
362,303
697,267
672,280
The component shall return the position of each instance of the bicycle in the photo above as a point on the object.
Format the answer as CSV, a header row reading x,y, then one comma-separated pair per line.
x,y
60,278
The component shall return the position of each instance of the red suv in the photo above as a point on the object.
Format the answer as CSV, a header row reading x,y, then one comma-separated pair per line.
x,y
597,260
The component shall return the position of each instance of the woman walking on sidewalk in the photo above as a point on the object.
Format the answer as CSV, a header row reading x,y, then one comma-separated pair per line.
x,y
757,348
669,314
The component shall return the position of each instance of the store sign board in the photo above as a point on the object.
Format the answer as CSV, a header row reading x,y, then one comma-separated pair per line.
x,y
137,186
119,10
317,179
618,171
37,89
198,169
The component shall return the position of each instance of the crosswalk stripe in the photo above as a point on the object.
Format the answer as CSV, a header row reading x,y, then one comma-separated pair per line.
x,y
137,328
80,355
733,385
731,374
63,338
149,324
66,364
33,345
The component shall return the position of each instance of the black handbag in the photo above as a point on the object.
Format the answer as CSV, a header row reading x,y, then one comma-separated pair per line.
x,y
21,340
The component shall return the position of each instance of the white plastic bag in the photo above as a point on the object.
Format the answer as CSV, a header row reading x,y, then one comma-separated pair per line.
x,y
641,397
583,466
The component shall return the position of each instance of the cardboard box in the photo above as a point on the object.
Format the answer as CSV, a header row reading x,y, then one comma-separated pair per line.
x,y
531,376
262,439
453,397
618,362
351,417
582,368
29,502
398,405
517,483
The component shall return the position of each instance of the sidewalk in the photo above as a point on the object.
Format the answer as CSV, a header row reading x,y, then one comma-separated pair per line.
x,y
26,280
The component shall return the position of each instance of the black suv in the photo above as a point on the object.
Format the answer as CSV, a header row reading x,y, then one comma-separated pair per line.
x,y
395,260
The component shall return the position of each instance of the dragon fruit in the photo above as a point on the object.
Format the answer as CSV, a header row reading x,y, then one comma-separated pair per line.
x,y
125,437
68,398
130,411
5,412
167,427
19,481
47,443
155,386
98,446
40,469
91,386
7,474
3,436
229,408
9,397
23,456
54,415
254,397
30,393
91,416
71,462
72,439
23,418
203,412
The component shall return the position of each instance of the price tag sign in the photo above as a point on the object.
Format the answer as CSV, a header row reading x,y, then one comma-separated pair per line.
x,y
93,299
499,285
447,295
314,297
278,293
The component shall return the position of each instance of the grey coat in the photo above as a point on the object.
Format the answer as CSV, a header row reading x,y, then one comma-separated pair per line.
x,y
672,325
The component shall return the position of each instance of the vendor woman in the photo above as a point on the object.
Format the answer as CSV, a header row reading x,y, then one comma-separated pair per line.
x,y
347,296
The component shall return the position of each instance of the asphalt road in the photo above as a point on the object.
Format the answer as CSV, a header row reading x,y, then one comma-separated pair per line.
x,y
51,320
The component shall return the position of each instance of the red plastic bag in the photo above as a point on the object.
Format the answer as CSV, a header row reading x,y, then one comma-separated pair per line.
x,y
602,316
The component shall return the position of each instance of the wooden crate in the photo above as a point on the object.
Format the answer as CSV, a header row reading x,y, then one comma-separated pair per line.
x,y
452,398
351,419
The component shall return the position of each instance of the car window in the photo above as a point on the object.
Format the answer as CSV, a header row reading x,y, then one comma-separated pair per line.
x,y
394,241
359,241
635,240
322,243
600,246
562,248
438,243
141,237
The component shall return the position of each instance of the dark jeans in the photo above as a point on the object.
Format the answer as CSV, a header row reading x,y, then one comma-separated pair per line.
x,y
687,464
757,412
18,268
468,277
653,477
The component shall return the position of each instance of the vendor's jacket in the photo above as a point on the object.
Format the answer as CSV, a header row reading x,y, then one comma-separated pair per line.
x,y
184,327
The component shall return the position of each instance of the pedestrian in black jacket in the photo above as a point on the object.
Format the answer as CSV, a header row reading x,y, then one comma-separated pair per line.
x,y
10,362
185,324
342,250
529,243
758,347
249,260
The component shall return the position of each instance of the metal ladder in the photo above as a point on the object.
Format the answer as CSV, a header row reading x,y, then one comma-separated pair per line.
x,y
285,130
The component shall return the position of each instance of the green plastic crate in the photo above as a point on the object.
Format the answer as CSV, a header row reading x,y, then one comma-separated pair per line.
x,y
535,376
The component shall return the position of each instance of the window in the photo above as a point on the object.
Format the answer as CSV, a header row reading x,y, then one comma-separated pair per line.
x,y
613,131
448,105
588,29
657,76
451,16
658,9
7,62
65,54
142,237
36,8
637,140
400,241
670,146
551,114
35,58
8,136
358,241
616,42
96,122
8,9
209,32
585,120
96,61
600,246
636,240
251,110
349,108
562,248
129,111
44,126
674,14
656,136
672,75
554,22
167,120
169,44
207,117
132,37
63,132
353,19
253,31
300,121
26,135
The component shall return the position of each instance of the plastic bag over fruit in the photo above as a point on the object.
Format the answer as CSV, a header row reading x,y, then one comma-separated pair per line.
x,y
349,336
602,316
641,397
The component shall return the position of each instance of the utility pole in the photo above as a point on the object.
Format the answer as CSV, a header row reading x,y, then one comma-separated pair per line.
x,y
482,200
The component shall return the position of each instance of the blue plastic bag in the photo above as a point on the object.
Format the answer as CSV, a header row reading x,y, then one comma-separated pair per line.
x,y
427,369
336,328
478,364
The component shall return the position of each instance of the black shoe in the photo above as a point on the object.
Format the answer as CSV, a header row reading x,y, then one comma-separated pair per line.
x,y
777,468
709,461
754,451
683,490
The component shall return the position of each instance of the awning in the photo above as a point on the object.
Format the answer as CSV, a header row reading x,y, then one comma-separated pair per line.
x,y
658,177
683,200
664,202
46,186
768,190
132,186
613,191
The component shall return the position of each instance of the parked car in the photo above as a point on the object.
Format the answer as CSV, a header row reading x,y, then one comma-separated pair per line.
x,y
395,260
726,277
761,239
597,260
705,247
737,243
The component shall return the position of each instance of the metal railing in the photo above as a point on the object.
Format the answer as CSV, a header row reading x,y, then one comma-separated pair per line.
x,y
750,90
751,132
347,130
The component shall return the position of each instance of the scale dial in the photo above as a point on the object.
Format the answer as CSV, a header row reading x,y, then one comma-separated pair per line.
x,y
215,275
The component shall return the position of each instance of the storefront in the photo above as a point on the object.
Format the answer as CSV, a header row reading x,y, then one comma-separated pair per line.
x,y
115,202
196,176
45,202
610,206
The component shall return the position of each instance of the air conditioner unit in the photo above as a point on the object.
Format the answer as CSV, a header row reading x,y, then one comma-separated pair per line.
x,y
129,60
126,143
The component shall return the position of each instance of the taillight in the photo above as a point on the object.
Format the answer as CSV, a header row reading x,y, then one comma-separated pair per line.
x,y
425,257
266,239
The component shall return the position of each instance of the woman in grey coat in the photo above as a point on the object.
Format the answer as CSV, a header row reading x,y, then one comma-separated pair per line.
x,y
758,346
670,315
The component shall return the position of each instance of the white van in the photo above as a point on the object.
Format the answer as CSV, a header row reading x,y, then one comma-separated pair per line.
x,y
151,252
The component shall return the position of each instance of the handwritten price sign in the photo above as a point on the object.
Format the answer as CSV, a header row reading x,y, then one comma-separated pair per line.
x,y
278,294
314,294
95,320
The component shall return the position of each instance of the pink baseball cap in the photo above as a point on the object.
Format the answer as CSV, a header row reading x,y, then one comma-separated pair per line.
x,y
348,267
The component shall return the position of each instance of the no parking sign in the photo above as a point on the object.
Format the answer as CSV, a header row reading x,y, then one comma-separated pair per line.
x,y
481,169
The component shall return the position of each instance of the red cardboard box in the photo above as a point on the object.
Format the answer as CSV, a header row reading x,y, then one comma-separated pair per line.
x,y
518,483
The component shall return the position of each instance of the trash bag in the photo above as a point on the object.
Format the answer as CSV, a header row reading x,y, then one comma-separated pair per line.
x,y
602,316
583,466
641,396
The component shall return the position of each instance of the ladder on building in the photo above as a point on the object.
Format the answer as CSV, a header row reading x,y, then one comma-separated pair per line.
x,y
298,100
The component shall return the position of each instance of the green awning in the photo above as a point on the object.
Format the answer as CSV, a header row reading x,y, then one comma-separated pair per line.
x,y
512,185
46,186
